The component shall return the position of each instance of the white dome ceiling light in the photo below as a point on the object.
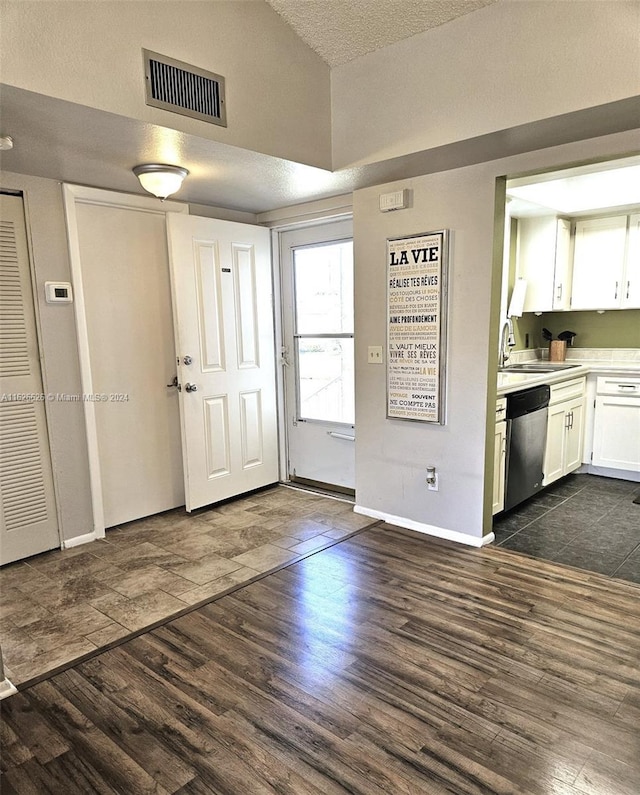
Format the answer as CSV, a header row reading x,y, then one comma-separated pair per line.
x,y
160,180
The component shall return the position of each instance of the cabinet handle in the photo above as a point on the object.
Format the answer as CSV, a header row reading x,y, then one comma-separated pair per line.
x,y
571,423
627,387
628,288
559,296
616,295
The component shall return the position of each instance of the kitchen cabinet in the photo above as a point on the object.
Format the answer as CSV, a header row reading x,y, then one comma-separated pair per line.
x,y
616,430
499,455
544,261
599,273
565,430
631,292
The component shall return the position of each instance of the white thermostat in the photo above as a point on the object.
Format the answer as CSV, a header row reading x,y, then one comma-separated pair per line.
x,y
58,293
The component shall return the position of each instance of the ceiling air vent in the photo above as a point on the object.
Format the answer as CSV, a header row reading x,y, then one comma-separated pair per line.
x,y
182,88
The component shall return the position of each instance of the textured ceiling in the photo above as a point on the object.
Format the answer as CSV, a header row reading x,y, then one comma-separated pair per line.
x,y
341,30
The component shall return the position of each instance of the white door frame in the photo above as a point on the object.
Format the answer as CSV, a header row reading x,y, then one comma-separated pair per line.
x,y
277,252
79,194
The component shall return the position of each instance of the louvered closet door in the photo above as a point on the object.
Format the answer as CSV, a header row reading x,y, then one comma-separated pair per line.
x,y
28,522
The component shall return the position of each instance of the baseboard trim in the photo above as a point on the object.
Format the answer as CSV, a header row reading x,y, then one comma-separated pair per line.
x,y
426,529
77,541
7,689
607,472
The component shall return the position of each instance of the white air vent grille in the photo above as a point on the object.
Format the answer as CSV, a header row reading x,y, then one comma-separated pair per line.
x,y
22,484
185,89
14,353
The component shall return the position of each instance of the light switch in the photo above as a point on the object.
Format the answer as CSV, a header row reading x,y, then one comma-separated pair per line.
x,y
375,354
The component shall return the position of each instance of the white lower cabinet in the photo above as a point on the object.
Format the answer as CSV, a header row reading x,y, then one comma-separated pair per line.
x,y
565,430
499,456
616,431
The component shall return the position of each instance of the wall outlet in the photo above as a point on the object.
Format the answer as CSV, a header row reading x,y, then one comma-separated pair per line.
x,y
375,354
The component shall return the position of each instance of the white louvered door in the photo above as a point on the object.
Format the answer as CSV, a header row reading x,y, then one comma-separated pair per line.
x,y
28,521
222,293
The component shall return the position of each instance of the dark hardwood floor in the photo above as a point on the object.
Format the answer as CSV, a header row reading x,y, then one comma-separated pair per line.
x,y
388,663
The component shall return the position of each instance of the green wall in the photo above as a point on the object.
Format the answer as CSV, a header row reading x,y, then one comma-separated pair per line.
x,y
616,328
528,324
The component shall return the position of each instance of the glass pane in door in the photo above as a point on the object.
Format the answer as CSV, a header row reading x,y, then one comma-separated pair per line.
x,y
326,378
323,277
323,298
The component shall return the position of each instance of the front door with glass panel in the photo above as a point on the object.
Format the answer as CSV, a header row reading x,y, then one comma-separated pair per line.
x,y
317,288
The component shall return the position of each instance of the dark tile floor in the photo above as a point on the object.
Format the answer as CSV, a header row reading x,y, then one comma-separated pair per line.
x,y
584,521
65,604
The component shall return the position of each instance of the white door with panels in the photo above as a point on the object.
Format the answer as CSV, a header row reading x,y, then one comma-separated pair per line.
x,y
318,335
223,319
28,520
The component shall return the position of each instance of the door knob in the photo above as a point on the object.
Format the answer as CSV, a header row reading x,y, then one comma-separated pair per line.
x,y
187,360
190,388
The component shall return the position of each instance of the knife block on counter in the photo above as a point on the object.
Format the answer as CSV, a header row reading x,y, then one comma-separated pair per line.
x,y
557,350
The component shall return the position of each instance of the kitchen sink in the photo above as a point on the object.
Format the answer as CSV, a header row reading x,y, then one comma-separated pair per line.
x,y
537,367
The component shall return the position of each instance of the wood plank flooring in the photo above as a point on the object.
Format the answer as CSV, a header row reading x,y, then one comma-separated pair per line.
x,y
388,663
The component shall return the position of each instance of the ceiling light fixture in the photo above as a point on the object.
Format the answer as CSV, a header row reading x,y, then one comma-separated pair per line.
x,y
159,179
6,143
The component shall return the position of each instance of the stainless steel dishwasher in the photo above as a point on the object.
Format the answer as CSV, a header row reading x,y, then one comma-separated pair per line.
x,y
526,438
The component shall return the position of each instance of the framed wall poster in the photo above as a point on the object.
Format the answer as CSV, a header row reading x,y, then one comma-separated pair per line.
x,y
416,326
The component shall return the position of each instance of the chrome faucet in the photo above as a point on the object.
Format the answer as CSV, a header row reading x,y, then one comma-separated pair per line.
x,y
507,341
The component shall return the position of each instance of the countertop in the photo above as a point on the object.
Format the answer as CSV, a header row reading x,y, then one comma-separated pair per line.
x,y
512,382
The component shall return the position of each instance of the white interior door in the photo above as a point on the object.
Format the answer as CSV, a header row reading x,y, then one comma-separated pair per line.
x,y
28,520
317,293
129,324
222,290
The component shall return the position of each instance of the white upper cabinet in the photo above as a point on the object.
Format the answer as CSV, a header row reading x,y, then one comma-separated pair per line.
x,y
599,278
631,289
543,260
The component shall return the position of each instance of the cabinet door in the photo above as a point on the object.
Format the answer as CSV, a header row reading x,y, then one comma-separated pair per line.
x,y
499,455
598,263
536,261
554,450
631,287
616,433
562,271
574,435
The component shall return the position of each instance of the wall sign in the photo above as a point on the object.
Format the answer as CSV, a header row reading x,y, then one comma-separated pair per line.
x,y
416,328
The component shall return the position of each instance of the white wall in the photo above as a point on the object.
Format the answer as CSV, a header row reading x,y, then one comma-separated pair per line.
x,y
511,63
391,455
60,364
89,52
